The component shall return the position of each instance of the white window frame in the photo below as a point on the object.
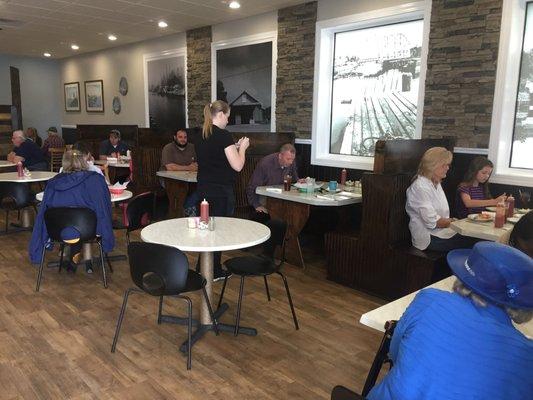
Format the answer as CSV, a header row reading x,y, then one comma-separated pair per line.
x,y
264,37
181,52
323,83
506,91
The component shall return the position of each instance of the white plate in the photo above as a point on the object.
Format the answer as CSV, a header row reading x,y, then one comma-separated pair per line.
x,y
513,220
475,217
332,191
493,209
522,210
303,186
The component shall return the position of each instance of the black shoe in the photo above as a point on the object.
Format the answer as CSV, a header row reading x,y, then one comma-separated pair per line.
x,y
221,274
69,266
89,267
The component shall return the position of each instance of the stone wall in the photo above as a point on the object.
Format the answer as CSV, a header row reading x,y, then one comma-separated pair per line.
x,y
461,74
296,55
198,73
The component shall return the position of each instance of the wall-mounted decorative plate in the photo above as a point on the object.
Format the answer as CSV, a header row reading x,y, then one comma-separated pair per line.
x,y
116,105
123,86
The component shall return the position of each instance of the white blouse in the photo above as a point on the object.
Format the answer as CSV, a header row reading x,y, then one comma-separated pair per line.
x,y
426,204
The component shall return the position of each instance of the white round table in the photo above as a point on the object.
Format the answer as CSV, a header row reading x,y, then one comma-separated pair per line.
x,y
229,234
36,176
126,195
5,164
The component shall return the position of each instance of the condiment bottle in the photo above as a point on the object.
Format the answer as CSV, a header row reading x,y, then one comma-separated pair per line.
x,y
499,219
510,203
204,211
343,176
20,170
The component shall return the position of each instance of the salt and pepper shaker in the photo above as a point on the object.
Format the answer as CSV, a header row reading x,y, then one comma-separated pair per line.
x,y
20,170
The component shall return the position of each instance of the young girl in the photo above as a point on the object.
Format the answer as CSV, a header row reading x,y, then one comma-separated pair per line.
x,y
473,193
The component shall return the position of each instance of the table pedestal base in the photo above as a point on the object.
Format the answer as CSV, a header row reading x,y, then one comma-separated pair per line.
x,y
202,329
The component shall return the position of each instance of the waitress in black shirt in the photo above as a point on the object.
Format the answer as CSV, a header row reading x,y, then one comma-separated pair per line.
x,y
219,160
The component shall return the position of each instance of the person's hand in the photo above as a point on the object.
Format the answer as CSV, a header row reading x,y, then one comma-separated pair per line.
x,y
244,143
261,209
114,155
500,199
194,166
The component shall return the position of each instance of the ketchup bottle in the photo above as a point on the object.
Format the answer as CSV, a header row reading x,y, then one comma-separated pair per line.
x,y
204,211
510,202
343,176
499,219
20,170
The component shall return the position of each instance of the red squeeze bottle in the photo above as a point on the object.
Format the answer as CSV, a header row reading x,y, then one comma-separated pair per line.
x,y
510,202
20,170
204,211
343,176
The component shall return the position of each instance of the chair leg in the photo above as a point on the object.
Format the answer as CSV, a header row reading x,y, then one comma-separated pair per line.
x,y
121,317
189,330
7,220
108,262
290,300
238,318
211,313
222,292
102,261
40,274
160,310
127,237
62,252
266,288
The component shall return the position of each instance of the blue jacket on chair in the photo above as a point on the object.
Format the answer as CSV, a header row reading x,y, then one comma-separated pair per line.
x,y
77,189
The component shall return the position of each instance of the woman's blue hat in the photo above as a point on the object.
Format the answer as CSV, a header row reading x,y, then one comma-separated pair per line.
x,y
499,273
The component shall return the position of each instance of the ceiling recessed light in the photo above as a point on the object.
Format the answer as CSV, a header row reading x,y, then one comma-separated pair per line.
x,y
112,38
74,47
162,24
234,5
47,55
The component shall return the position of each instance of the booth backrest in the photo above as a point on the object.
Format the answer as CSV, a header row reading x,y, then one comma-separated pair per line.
x,y
93,135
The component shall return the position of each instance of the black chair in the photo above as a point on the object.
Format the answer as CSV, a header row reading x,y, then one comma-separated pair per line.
x,y
342,393
260,265
138,207
14,196
83,220
163,271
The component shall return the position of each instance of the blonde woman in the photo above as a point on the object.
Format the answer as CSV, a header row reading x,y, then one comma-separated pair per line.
x,y
428,208
219,160
76,186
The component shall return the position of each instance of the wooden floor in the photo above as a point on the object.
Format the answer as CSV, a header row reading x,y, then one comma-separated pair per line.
x,y
55,344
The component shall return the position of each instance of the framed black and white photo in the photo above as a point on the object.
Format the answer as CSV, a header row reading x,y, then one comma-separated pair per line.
x,y
165,90
94,96
369,83
72,96
245,75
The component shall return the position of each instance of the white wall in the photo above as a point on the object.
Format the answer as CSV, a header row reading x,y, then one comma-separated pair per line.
x,y
39,87
246,27
328,9
110,65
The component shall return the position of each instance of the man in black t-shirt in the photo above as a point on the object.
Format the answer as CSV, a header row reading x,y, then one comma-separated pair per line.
x,y
27,152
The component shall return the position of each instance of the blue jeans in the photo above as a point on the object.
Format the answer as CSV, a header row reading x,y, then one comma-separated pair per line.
x,y
457,241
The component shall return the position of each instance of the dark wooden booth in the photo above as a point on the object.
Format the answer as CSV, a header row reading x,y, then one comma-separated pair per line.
x,y
378,258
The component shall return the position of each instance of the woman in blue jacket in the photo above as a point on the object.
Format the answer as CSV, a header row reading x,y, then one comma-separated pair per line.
x,y
76,186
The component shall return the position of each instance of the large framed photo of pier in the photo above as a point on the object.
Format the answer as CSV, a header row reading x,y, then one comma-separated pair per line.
x,y
165,90
94,96
244,70
369,84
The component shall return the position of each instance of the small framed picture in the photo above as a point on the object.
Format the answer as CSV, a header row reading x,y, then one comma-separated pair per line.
x,y
94,96
72,96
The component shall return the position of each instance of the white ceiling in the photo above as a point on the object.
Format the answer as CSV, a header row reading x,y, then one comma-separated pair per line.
x,y
53,25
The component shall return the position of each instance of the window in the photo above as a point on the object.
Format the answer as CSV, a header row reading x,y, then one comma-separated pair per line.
x,y
511,139
369,81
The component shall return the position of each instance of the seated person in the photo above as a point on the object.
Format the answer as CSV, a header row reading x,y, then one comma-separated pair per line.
x,y
521,237
113,147
76,186
428,208
52,141
84,150
271,170
179,155
27,152
31,133
463,345
473,193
